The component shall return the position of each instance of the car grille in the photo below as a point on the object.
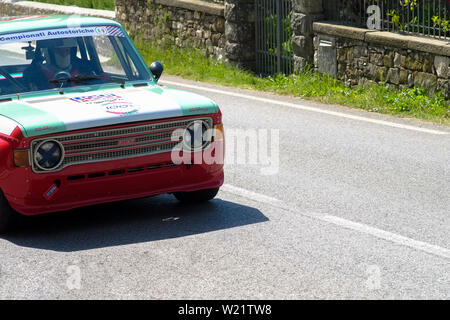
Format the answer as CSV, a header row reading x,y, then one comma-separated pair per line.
x,y
113,144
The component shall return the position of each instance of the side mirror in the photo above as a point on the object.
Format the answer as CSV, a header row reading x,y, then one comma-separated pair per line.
x,y
157,69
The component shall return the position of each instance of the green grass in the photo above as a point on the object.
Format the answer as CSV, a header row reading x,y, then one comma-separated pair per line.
x,y
413,103
94,4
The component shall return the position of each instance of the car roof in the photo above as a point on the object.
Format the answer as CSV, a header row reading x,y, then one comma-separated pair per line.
x,y
42,22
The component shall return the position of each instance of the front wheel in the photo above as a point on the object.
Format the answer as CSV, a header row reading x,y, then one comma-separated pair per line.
x,y
196,196
7,215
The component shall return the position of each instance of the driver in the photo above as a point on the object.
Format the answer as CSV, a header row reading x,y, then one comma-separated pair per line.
x,y
57,61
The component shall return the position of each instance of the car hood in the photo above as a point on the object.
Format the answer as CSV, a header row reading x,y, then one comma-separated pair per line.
x,y
42,115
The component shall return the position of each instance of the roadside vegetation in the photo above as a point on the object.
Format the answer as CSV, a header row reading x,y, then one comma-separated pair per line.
x,y
93,4
413,103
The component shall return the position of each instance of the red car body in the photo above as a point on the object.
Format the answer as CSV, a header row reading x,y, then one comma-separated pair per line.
x,y
105,181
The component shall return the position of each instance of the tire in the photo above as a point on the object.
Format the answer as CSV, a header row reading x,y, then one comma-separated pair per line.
x,y
196,196
7,215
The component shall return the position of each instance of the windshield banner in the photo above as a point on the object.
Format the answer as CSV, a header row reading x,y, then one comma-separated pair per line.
x,y
62,33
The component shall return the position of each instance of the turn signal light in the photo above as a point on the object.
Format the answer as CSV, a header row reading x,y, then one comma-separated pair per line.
x,y
21,158
219,133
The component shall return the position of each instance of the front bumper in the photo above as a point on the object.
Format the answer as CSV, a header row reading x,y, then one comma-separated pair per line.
x,y
102,182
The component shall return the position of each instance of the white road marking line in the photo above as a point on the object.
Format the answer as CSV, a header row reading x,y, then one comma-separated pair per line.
x,y
348,224
312,109
389,236
251,195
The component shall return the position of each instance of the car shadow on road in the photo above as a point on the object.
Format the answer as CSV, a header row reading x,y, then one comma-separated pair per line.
x,y
130,222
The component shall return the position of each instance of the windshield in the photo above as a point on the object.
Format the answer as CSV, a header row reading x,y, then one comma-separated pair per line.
x,y
64,58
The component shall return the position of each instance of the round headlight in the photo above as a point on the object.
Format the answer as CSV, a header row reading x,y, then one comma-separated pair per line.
x,y
197,136
49,155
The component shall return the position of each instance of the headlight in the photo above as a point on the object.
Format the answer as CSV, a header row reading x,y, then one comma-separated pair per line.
x,y
197,136
49,155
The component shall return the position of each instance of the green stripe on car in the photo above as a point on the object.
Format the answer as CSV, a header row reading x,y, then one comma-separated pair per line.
x,y
33,122
191,104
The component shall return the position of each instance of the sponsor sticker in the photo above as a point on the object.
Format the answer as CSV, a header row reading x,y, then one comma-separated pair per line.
x,y
122,109
51,191
45,128
62,33
112,103
97,99
101,30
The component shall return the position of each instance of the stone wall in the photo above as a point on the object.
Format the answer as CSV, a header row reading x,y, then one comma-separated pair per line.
x,y
361,56
367,56
180,22
305,12
240,32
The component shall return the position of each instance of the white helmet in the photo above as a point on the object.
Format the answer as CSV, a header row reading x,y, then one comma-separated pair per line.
x,y
59,51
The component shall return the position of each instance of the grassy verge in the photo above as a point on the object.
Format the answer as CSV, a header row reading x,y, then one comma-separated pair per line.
x,y
94,4
413,103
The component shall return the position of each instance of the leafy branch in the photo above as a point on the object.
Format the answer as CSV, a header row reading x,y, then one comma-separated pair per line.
x,y
416,19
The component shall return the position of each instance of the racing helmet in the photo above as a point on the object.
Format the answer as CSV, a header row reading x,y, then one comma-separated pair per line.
x,y
58,52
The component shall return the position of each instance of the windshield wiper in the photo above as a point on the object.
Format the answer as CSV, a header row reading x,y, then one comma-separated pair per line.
x,y
76,79
121,82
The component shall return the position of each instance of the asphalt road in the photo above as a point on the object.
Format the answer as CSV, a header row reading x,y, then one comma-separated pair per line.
x,y
359,207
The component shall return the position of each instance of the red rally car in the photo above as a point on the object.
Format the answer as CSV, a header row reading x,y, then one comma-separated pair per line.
x,y
83,121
